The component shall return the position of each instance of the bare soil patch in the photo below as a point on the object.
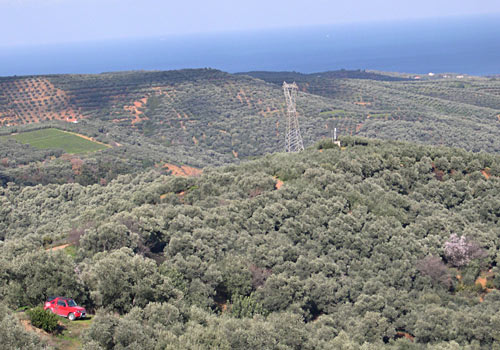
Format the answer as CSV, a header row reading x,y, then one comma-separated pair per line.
x,y
183,170
405,335
486,173
59,247
279,183
363,103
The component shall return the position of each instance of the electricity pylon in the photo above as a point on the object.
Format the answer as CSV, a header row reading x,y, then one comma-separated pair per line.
x,y
293,141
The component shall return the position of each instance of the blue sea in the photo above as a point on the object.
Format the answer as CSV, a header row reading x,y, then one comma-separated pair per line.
x,y
469,45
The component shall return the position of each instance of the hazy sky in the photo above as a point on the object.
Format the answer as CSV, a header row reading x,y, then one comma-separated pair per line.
x,y
53,21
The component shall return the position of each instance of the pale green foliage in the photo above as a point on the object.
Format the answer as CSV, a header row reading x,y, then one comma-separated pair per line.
x,y
42,273
236,276
120,280
245,306
330,260
108,237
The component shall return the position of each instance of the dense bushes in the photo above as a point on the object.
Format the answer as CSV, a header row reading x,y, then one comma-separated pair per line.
x,y
33,276
349,252
43,319
120,280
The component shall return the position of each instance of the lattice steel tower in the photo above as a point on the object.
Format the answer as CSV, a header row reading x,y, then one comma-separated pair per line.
x,y
293,141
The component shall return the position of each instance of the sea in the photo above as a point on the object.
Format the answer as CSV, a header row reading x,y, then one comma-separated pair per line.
x,y
466,45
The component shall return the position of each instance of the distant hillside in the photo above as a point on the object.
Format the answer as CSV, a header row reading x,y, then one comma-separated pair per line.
x,y
463,112
205,117
278,77
73,97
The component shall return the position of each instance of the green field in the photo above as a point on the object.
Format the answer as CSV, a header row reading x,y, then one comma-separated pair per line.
x,y
54,138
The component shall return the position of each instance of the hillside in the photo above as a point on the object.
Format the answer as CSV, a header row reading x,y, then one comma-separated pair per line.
x,y
191,108
190,117
453,111
207,117
357,249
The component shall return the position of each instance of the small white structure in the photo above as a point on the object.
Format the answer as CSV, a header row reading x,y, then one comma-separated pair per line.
x,y
335,141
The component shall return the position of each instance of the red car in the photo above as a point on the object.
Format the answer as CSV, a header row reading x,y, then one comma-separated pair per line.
x,y
66,307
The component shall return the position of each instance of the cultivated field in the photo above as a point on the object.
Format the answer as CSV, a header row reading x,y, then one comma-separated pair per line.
x,y
54,138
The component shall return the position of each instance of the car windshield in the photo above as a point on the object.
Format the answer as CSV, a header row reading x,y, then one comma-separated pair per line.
x,y
71,302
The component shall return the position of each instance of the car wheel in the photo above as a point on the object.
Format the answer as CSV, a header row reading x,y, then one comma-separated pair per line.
x,y
71,316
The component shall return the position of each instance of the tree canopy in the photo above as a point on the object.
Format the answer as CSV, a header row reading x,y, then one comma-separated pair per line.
x,y
353,251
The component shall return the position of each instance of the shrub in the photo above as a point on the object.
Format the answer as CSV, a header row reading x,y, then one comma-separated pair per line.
x,y
326,144
460,250
471,273
236,277
433,267
43,319
243,306
259,276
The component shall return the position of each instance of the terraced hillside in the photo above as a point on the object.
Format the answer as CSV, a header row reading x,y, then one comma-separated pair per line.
x,y
215,115
233,116
453,111
33,100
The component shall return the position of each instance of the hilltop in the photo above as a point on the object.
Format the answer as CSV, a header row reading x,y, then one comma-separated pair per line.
x,y
348,252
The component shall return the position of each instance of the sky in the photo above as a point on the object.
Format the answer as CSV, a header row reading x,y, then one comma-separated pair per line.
x,y
41,22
